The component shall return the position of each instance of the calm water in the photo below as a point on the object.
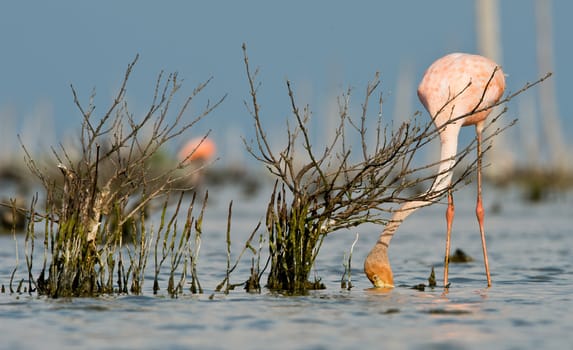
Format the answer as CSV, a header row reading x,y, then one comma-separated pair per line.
x,y
529,306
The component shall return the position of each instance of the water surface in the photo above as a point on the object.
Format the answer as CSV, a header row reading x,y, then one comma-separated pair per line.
x,y
529,305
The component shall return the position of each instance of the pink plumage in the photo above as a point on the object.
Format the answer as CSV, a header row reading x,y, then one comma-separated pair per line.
x,y
466,76
197,149
457,90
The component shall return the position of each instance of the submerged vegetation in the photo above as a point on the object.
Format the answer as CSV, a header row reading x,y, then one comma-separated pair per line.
x,y
95,232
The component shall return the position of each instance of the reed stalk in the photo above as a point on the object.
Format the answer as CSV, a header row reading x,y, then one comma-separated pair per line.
x,y
346,280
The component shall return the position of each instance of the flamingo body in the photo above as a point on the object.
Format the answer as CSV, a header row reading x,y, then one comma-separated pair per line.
x,y
466,75
197,149
456,90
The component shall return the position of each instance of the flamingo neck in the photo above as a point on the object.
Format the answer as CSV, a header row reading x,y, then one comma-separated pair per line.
x,y
399,216
446,168
441,183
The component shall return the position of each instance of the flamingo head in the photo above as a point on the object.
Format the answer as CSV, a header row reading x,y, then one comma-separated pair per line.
x,y
377,267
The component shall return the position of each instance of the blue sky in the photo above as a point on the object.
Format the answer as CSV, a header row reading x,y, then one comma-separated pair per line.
x,y
322,47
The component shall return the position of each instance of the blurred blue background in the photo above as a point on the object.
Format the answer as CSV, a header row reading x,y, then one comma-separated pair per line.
x,y
322,47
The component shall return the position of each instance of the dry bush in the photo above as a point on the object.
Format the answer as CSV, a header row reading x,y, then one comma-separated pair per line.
x,y
109,181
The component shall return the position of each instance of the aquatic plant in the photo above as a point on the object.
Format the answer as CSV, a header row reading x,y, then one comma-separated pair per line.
x,y
109,186
178,247
253,283
346,280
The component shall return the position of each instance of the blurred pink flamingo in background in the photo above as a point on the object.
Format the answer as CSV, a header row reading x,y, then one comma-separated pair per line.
x,y
197,153
200,149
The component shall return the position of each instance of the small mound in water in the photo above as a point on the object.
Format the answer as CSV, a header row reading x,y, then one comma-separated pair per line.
x,y
460,257
447,312
431,282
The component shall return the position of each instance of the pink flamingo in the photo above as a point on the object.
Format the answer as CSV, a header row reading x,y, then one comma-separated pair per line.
x,y
197,153
200,149
457,90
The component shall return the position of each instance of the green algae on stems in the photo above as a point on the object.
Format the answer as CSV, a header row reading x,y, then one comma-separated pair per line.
x,y
86,203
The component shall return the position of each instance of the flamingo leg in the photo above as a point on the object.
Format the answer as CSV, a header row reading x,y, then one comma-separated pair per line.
x,y
449,221
479,205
